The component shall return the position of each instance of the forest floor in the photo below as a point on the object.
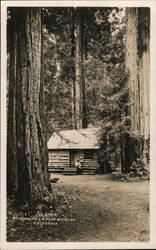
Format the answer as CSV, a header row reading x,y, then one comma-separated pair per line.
x,y
93,208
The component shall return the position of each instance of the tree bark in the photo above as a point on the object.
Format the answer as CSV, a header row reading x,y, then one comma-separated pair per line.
x,y
132,66
144,77
80,100
30,143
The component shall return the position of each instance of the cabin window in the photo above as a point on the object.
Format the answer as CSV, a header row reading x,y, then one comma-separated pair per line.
x,y
88,155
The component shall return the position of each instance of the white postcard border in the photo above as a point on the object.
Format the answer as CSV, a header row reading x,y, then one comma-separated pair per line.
x,y
80,245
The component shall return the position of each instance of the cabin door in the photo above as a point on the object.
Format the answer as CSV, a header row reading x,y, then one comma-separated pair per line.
x,y
72,158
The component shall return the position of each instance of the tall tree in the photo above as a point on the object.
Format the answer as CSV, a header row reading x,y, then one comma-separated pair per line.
x,y
72,34
80,92
25,118
137,63
132,65
144,76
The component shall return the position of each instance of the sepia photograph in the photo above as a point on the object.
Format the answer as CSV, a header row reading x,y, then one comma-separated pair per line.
x,y
78,124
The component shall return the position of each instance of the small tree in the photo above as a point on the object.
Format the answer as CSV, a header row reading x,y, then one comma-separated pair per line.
x,y
113,114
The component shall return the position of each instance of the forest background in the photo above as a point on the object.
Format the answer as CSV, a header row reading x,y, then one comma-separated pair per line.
x,y
90,68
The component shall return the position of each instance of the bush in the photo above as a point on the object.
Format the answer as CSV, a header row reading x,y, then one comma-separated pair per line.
x,y
138,172
139,169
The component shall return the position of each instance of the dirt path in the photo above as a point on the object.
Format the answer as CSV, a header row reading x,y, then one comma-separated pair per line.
x,y
105,210
89,208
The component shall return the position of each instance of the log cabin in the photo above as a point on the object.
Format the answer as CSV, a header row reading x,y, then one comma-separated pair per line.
x,y
66,148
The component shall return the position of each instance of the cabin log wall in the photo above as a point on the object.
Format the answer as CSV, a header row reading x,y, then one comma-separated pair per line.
x,y
60,159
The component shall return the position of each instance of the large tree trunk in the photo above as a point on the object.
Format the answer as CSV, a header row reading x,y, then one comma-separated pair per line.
x,y
80,100
29,146
137,63
133,83
132,66
144,77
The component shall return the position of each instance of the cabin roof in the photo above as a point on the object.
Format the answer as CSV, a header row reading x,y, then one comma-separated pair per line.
x,y
75,139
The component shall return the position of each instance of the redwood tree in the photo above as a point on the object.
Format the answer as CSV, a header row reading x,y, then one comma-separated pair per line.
x,y
132,65
137,63
72,33
144,77
27,153
79,88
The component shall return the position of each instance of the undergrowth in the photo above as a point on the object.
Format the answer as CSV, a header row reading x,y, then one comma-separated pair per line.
x,y
138,172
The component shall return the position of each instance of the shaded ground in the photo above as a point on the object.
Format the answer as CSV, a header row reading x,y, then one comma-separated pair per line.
x,y
94,208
